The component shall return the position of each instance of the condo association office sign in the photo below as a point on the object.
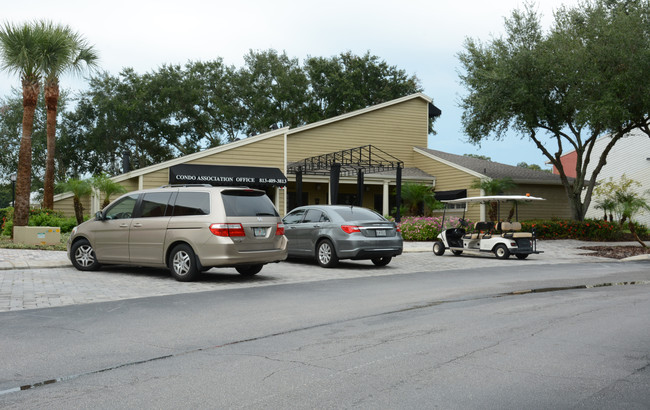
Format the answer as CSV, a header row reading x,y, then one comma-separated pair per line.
x,y
226,175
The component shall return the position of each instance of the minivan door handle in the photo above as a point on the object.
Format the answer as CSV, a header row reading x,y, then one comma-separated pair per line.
x,y
137,225
124,225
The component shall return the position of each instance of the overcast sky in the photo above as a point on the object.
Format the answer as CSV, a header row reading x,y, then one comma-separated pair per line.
x,y
421,37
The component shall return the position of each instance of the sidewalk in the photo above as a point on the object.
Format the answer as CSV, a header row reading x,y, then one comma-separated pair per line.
x,y
37,259
32,279
32,259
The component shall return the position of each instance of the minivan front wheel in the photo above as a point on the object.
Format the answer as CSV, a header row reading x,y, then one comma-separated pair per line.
x,y
182,263
326,254
83,256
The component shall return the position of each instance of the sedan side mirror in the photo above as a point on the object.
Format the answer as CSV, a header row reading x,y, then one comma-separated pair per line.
x,y
99,216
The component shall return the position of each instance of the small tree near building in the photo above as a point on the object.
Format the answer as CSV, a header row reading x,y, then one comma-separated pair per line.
x,y
79,188
106,187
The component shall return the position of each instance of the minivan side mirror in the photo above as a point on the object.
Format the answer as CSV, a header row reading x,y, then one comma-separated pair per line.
x,y
99,216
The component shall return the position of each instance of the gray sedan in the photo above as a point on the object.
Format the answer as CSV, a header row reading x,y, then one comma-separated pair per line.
x,y
333,232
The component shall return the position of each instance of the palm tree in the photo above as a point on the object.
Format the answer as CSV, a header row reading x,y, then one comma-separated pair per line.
x,y
20,52
495,186
63,51
629,204
607,205
79,188
107,187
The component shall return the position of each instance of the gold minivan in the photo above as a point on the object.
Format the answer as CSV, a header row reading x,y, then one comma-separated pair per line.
x,y
188,229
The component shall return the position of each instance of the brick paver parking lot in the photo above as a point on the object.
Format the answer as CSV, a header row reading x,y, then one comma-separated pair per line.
x,y
37,287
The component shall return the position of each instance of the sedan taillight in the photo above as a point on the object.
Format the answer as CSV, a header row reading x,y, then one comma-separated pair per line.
x,y
280,229
231,229
350,228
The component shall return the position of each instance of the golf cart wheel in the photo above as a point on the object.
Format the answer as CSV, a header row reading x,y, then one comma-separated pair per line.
x,y
457,253
438,248
501,251
522,255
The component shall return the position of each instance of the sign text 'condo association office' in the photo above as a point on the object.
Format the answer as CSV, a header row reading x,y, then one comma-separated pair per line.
x,y
226,175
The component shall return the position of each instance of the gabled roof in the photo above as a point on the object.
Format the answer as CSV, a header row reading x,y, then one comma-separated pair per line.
x,y
433,111
482,168
199,154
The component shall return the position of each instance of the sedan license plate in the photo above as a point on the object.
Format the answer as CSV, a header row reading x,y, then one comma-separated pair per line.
x,y
380,232
259,231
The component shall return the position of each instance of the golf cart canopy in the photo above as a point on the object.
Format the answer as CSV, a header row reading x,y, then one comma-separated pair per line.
x,y
494,198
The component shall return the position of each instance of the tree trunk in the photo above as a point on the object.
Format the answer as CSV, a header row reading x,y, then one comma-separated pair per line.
x,y
24,174
636,236
51,102
78,210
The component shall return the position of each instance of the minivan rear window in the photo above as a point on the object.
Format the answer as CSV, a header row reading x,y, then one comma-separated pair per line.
x,y
154,204
192,203
247,203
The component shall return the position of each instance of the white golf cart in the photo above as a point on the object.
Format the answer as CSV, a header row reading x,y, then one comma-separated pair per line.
x,y
501,238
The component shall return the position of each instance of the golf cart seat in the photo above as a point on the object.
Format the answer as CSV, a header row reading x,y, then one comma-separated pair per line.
x,y
511,230
481,230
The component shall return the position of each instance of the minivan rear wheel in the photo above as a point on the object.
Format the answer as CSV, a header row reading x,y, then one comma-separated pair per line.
x,y
182,263
249,270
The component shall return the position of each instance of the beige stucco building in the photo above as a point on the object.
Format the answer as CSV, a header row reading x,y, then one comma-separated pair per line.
x,y
396,130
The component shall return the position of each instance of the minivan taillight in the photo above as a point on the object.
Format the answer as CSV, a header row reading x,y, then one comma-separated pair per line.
x,y
280,229
227,229
350,228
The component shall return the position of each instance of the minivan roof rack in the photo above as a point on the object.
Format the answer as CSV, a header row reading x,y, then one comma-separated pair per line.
x,y
185,185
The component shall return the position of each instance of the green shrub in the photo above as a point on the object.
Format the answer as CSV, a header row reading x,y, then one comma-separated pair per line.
x,y
7,221
427,229
424,228
4,212
587,230
39,217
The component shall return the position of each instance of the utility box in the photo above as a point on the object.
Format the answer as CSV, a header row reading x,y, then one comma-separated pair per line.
x,y
37,235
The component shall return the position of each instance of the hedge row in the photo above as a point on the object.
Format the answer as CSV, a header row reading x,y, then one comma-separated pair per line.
x,y
415,228
427,229
37,217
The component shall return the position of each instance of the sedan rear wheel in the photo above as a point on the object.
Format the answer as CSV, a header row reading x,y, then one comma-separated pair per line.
x,y
326,255
383,261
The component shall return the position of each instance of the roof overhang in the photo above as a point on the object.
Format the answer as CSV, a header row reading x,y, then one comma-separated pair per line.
x,y
494,198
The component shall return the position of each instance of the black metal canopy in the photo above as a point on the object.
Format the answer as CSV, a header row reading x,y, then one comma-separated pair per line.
x,y
349,162
367,158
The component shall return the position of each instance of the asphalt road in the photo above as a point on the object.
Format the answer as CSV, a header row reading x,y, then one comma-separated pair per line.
x,y
470,338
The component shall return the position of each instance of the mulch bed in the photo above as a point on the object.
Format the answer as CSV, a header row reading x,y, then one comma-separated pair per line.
x,y
616,252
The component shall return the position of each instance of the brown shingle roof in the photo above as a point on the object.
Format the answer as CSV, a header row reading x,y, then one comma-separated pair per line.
x,y
496,170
